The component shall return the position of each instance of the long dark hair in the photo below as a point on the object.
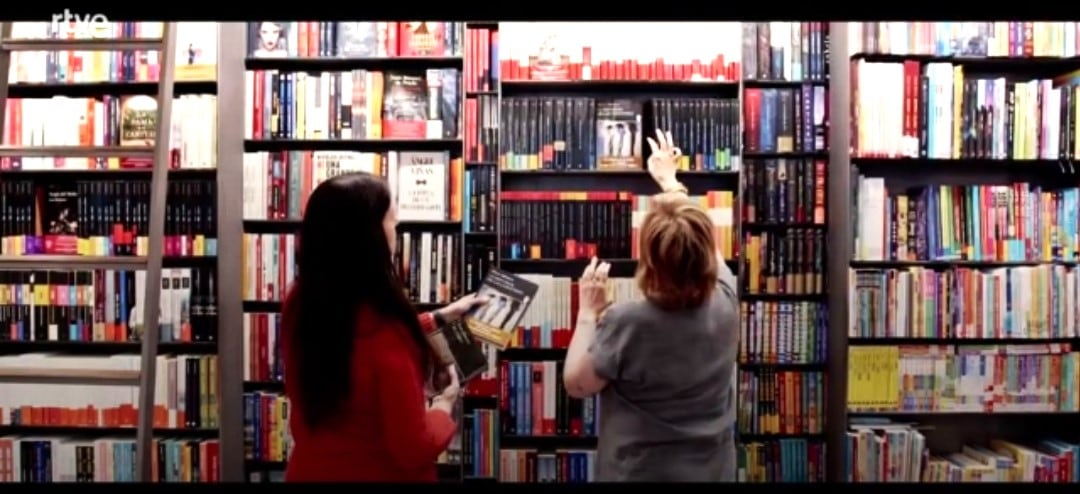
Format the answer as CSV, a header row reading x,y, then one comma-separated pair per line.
x,y
345,263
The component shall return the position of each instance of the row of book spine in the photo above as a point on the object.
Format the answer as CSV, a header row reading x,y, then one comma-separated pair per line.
x,y
92,319
962,291
787,261
990,131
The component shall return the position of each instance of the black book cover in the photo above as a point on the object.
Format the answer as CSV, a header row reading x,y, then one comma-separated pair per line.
x,y
469,357
509,297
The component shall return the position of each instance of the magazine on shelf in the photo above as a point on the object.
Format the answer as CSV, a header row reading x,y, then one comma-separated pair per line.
x,y
509,297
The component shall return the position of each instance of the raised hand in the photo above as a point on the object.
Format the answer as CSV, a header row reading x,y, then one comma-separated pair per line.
x,y
664,160
592,287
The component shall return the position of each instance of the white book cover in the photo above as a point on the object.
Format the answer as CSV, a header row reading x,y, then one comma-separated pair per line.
x,y
422,186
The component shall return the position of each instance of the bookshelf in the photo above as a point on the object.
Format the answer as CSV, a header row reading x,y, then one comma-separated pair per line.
x,y
492,179
290,141
535,173
957,142
782,381
77,355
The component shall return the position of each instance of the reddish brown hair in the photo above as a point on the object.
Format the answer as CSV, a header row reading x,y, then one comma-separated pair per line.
x,y
678,265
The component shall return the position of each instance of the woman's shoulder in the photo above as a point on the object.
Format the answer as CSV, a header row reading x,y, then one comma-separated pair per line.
x,y
642,311
629,311
640,308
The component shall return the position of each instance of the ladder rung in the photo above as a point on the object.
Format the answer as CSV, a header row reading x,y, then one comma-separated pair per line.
x,y
70,376
77,151
47,262
81,44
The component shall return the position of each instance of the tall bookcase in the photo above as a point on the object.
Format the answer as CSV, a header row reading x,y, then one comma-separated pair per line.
x,y
604,83
532,170
959,235
484,145
783,383
280,162
83,183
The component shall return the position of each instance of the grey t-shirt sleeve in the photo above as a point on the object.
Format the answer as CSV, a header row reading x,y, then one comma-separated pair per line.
x,y
607,347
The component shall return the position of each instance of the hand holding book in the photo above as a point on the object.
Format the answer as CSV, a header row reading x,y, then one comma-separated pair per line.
x,y
456,310
450,394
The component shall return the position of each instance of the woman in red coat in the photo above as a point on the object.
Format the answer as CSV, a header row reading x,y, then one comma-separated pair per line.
x,y
355,352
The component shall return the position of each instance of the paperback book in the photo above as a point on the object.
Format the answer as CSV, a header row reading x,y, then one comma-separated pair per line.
x,y
508,297
453,344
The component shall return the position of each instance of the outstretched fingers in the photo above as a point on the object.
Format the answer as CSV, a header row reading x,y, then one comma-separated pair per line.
x,y
653,145
662,138
590,270
602,272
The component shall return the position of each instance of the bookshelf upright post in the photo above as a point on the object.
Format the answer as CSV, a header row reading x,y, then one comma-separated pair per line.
x,y
232,48
839,252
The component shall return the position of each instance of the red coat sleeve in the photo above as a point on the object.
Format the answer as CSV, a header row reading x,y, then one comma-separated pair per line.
x,y
427,322
415,436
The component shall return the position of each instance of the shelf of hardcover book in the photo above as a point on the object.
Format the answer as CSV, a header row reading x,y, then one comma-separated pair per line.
x,y
784,53
603,134
363,44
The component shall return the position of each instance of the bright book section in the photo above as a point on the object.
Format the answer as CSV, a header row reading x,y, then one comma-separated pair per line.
x,y
951,310
963,286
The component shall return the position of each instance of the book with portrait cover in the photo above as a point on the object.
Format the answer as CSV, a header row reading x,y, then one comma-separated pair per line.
x,y
618,134
453,344
509,297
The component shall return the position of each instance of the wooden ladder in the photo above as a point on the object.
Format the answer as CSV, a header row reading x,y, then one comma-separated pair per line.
x,y
144,377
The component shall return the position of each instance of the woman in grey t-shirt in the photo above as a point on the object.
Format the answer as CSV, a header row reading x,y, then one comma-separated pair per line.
x,y
664,366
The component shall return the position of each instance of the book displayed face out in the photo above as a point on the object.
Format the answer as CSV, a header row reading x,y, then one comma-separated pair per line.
x,y
508,297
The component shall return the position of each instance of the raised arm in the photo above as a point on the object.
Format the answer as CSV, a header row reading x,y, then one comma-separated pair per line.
x,y
663,165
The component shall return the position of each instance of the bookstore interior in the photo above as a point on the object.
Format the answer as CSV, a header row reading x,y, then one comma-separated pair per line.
x,y
906,253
